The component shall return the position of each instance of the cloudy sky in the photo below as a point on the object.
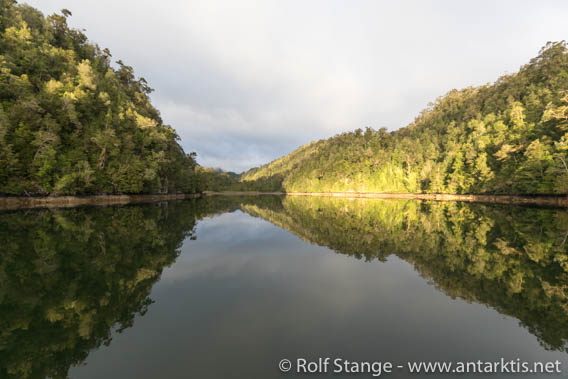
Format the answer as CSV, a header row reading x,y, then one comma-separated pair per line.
x,y
244,82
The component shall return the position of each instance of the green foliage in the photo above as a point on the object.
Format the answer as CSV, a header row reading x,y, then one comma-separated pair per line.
x,y
504,138
70,123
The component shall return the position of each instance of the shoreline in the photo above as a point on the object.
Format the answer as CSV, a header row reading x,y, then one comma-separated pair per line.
x,y
555,201
21,202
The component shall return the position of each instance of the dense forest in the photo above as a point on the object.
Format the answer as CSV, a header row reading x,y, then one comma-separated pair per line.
x,y
509,137
71,123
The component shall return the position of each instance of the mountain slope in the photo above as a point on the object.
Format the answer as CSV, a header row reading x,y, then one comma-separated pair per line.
x,y
509,137
71,123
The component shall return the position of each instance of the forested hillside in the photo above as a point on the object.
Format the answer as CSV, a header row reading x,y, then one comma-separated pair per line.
x,y
509,137
70,123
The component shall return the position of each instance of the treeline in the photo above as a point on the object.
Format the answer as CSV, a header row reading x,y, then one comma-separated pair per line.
x,y
510,137
70,123
215,180
496,255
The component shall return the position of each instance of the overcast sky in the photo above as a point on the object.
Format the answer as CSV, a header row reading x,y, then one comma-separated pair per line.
x,y
244,82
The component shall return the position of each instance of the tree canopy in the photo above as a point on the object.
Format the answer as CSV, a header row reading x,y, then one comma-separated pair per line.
x,y
71,123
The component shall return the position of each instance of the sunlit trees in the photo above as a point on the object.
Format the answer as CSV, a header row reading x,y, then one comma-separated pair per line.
x,y
505,138
70,123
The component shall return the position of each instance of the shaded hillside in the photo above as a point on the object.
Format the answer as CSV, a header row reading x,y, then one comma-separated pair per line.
x,y
214,180
70,123
509,137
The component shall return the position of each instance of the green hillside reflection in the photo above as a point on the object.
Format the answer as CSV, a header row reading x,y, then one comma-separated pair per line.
x,y
513,259
69,278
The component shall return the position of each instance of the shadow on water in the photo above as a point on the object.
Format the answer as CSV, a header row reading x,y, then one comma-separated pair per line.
x,y
69,278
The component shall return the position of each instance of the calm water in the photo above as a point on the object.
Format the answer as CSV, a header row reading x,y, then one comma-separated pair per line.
x,y
227,287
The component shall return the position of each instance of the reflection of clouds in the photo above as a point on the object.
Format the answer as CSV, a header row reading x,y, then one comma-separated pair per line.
x,y
233,246
237,301
233,229
279,288
272,75
227,222
226,243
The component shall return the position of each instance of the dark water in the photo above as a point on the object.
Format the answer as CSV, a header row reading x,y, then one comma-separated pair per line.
x,y
227,287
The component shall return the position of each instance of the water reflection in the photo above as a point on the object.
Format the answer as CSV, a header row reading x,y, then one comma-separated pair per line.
x,y
246,293
513,259
68,276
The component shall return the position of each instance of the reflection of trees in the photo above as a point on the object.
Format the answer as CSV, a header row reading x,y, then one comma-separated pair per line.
x,y
68,276
510,258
